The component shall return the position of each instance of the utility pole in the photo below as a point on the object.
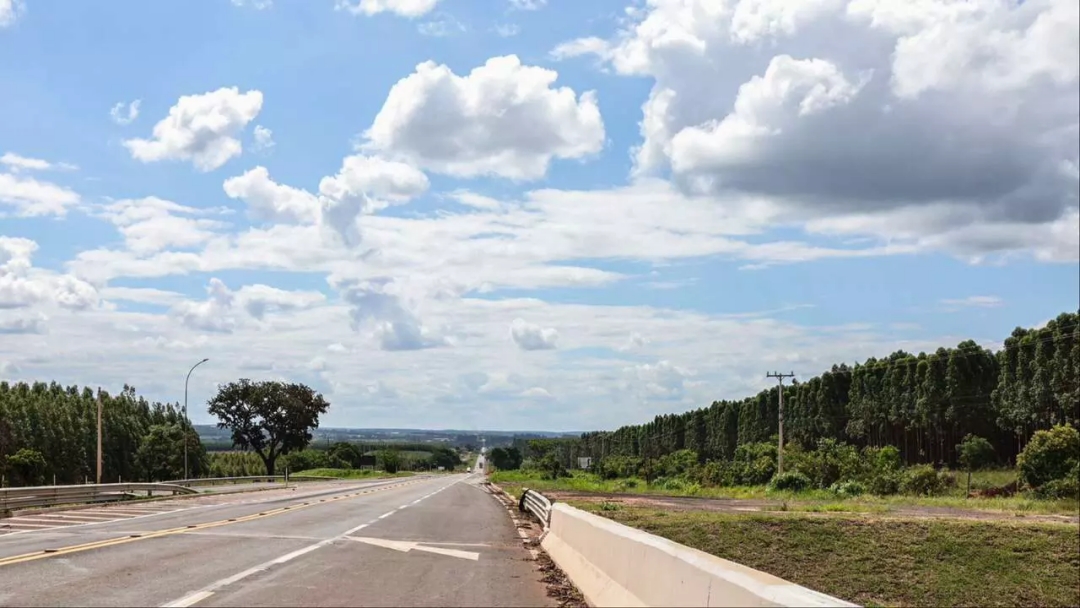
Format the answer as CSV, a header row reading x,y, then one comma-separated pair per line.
x,y
99,435
780,450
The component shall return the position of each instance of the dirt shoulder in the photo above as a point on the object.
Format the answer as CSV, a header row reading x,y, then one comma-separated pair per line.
x,y
734,505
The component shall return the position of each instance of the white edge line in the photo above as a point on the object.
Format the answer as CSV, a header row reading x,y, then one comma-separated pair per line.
x,y
194,598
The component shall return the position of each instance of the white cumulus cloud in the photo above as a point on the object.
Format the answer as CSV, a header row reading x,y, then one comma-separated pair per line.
x,y
202,129
529,336
936,124
503,118
403,8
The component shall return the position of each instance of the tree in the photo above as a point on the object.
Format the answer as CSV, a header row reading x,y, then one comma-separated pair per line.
x,y
506,459
161,453
975,453
389,460
271,418
344,455
27,467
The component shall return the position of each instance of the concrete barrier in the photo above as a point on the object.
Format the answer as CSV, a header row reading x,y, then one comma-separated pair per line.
x,y
616,565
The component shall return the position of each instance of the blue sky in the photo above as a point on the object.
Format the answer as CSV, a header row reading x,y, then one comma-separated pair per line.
x,y
577,215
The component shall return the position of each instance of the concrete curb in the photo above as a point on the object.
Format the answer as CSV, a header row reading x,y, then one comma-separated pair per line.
x,y
616,565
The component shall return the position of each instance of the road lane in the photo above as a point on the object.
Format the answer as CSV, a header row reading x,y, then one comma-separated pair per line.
x,y
169,566
218,557
457,548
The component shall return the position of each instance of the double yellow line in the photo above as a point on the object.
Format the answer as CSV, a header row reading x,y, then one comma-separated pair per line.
x,y
36,555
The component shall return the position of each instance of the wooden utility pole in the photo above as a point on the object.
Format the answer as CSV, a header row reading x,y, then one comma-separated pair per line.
x,y
99,436
780,449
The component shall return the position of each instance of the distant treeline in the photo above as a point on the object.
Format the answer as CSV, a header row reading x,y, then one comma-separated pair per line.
x,y
923,405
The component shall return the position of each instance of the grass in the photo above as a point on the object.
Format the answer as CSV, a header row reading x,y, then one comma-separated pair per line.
x,y
350,473
809,500
887,562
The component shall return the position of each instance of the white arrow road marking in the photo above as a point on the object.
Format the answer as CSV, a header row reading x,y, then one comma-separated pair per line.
x,y
405,546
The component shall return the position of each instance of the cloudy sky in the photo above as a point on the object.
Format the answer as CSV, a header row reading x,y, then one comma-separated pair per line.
x,y
526,214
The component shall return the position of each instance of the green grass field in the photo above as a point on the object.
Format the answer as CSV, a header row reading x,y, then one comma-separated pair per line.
x,y
809,500
351,473
890,562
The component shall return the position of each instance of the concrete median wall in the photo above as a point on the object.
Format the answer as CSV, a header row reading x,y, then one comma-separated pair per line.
x,y
616,565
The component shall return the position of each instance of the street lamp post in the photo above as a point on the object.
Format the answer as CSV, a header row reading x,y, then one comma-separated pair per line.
x,y
186,420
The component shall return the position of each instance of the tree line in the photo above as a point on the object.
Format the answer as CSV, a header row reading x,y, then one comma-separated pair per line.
x,y
49,432
923,405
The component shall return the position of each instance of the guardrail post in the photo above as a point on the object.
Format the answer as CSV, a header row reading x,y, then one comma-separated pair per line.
x,y
521,501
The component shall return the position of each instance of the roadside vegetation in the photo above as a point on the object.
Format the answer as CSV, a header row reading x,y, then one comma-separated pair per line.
x,y
352,473
961,426
836,477
885,562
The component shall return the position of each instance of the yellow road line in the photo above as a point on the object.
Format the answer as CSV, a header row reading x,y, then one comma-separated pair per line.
x,y
36,555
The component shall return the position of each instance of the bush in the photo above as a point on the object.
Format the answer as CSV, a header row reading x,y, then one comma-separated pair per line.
x,y
305,460
755,463
714,473
884,483
551,467
614,467
793,481
923,480
833,461
847,489
677,463
1060,488
676,484
1050,455
626,484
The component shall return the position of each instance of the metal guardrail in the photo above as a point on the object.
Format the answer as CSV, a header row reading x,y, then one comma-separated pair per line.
x,y
47,496
537,504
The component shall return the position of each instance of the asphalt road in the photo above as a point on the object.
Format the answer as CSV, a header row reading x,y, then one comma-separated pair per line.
x,y
436,541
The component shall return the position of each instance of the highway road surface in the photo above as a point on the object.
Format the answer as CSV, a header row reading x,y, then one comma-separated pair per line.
x,y
433,541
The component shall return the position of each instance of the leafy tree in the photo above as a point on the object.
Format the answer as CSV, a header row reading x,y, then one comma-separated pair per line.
x,y
975,453
162,452
344,453
506,459
389,460
27,467
270,418
1050,455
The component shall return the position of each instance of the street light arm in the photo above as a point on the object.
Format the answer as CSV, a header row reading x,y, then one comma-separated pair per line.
x,y
186,420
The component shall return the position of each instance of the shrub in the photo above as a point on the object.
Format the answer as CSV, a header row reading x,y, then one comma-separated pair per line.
x,y
884,483
626,484
923,480
714,473
1050,455
614,467
755,463
847,489
833,461
676,484
793,481
551,467
677,463
885,458
1060,488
